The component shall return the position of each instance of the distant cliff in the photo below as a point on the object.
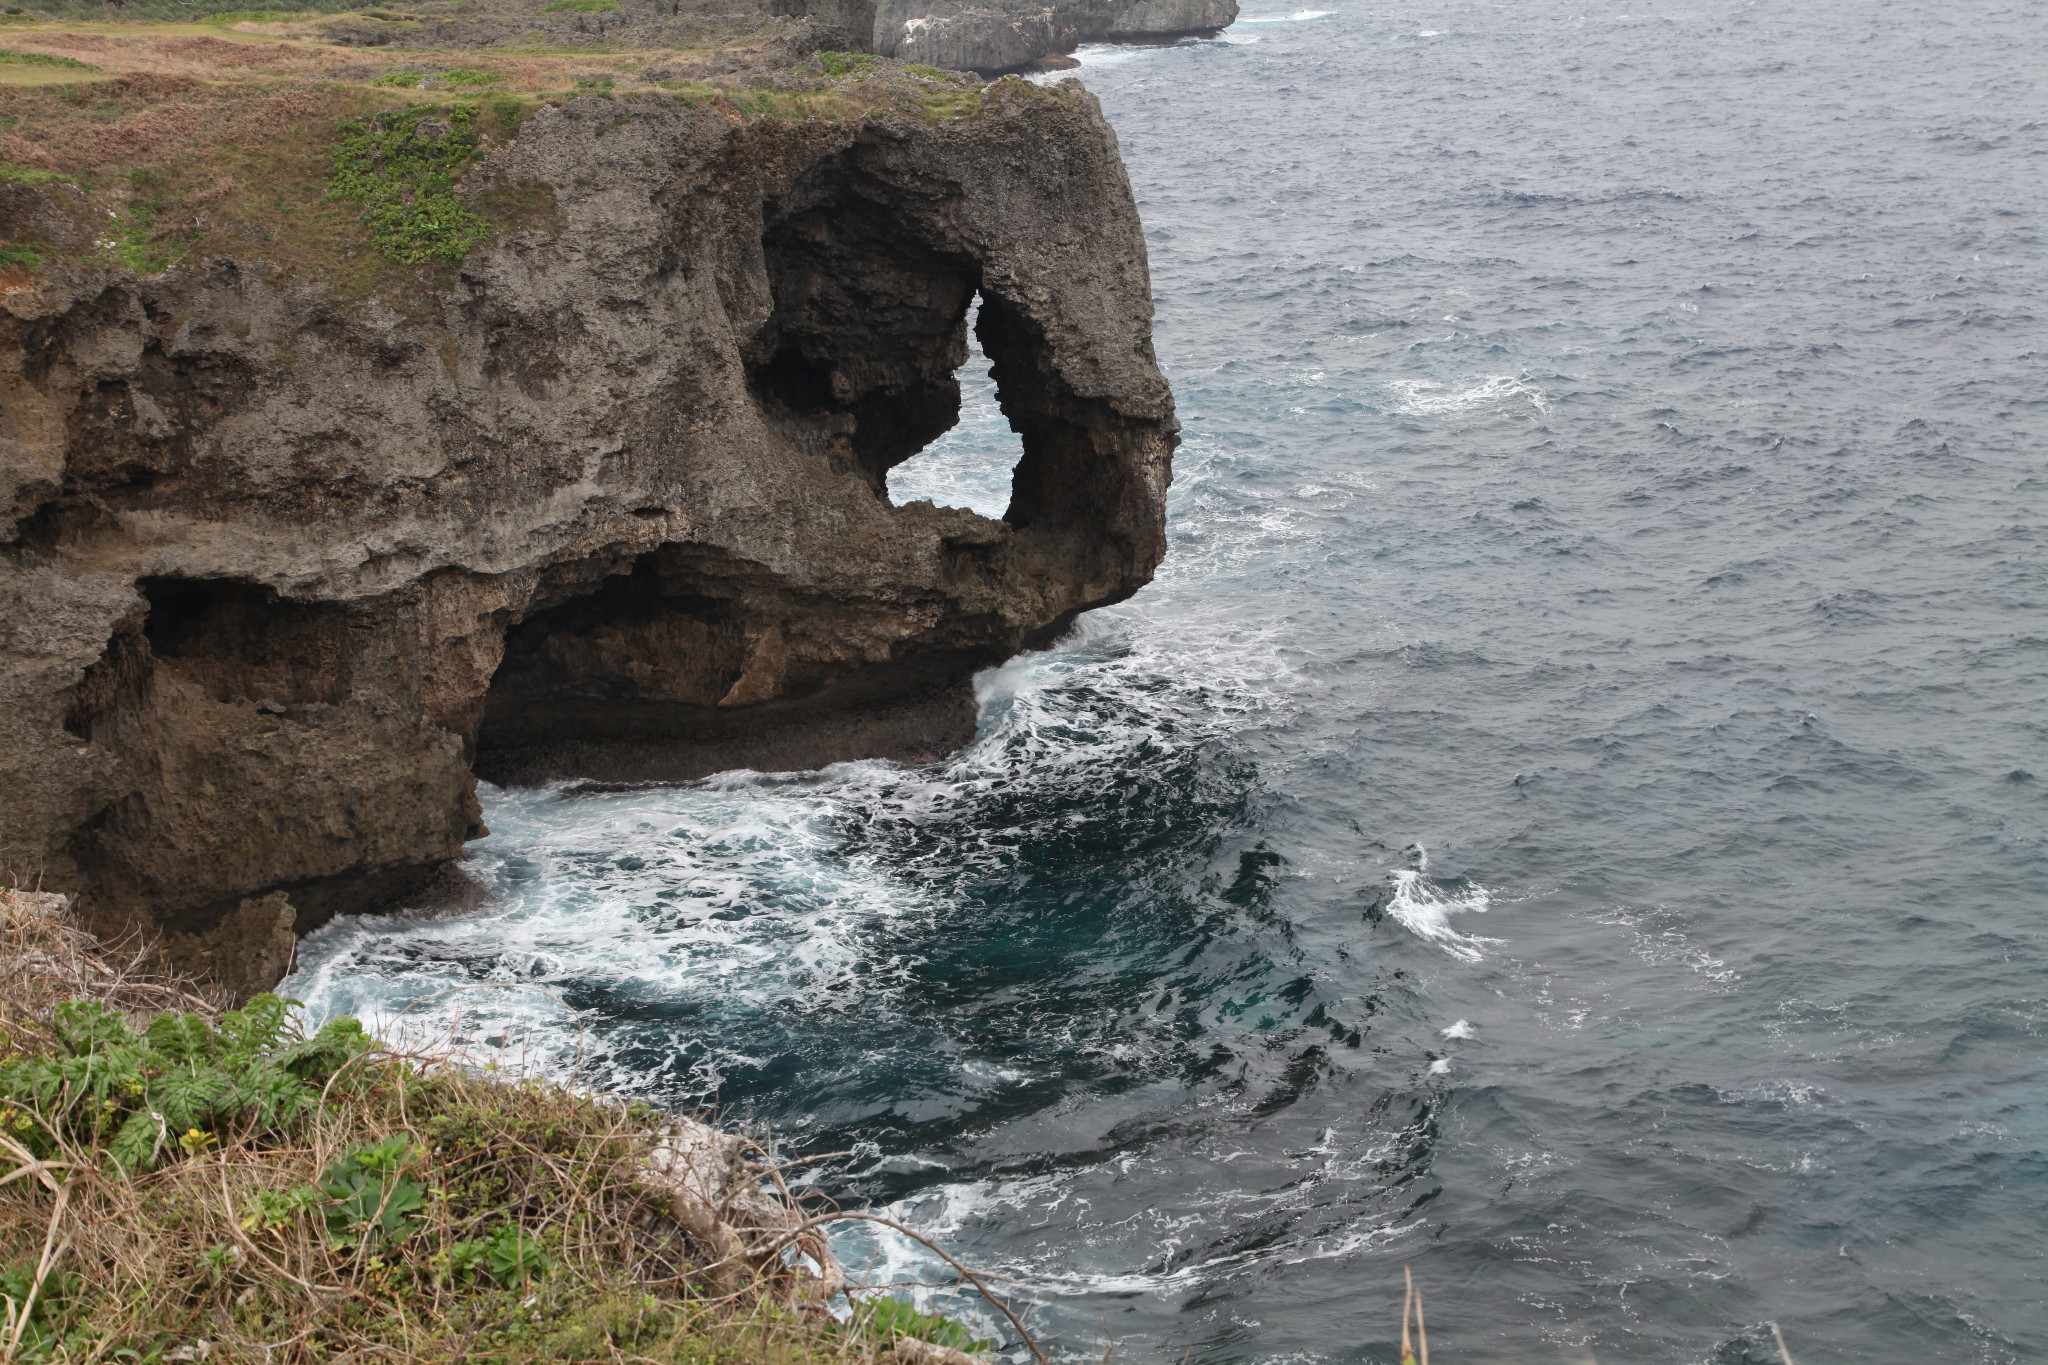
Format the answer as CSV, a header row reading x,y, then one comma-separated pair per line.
x,y
293,547
1002,35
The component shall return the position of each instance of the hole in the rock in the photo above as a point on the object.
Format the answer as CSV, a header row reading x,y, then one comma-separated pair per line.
x,y
858,358
971,465
242,642
583,667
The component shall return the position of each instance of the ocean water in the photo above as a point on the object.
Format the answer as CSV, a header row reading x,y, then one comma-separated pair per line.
x,y
1570,817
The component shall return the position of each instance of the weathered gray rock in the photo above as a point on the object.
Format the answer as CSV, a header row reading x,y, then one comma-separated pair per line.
x,y
278,574
1004,35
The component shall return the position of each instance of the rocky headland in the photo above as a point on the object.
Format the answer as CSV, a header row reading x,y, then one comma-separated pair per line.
x,y
1008,35
370,423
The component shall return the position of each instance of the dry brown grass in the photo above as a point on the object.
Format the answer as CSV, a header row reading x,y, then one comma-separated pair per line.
x,y
45,959
229,1250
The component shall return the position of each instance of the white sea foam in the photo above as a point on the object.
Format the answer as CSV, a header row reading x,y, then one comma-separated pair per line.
x,y
734,889
950,1213
1106,54
1427,397
1299,16
1430,398
1424,909
1462,1029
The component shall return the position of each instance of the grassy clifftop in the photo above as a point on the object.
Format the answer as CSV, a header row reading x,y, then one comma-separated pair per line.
x,y
337,143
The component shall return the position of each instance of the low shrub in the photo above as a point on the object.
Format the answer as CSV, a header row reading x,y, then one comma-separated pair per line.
x,y
840,64
401,166
11,58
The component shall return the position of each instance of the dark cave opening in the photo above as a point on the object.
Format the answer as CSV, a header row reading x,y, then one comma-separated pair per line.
x,y
861,360
241,641
647,635
869,329
686,662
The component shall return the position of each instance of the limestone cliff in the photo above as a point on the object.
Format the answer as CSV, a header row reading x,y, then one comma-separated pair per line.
x,y
1002,35
281,570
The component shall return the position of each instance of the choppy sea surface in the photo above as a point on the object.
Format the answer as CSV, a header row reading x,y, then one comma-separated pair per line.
x,y
1571,815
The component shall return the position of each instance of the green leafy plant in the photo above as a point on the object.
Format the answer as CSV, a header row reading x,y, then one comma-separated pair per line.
x,y
35,1313
369,1197
11,58
893,1319
507,1255
837,64
137,244
580,7
461,76
219,1259
27,175
132,1097
20,254
598,86
930,73
401,166
272,1210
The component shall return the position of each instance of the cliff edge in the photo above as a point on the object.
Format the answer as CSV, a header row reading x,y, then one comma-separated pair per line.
x,y
296,542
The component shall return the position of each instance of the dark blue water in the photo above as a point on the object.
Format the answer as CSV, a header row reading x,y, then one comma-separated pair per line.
x,y
1570,816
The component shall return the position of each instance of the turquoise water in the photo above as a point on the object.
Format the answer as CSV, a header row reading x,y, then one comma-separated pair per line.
x,y
1569,816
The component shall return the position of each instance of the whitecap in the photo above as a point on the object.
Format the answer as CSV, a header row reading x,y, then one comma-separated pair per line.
x,y
1431,398
1462,1029
1424,908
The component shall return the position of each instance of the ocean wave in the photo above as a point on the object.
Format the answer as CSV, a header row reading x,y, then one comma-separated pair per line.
x,y
1424,906
1431,398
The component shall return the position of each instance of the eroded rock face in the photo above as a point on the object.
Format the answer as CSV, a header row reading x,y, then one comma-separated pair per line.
x,y
278,575
1003,35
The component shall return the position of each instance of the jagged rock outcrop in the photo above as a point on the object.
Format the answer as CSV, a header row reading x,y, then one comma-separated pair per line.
x,y
1001,35
279,573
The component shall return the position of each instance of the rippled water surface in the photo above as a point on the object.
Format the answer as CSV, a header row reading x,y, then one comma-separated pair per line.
x,y
1570,814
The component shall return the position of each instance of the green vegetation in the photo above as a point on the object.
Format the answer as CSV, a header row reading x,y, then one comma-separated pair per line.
x,y
256,16
401,166
139,242
27,175
580,7
356,1203
135,1097
838,64
890,1319
599,87
20,256
930,73
953,102
11,58
456,78
184,11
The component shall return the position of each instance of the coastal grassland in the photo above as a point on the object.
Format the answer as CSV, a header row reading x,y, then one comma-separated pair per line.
x,y
139,172
214,1184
